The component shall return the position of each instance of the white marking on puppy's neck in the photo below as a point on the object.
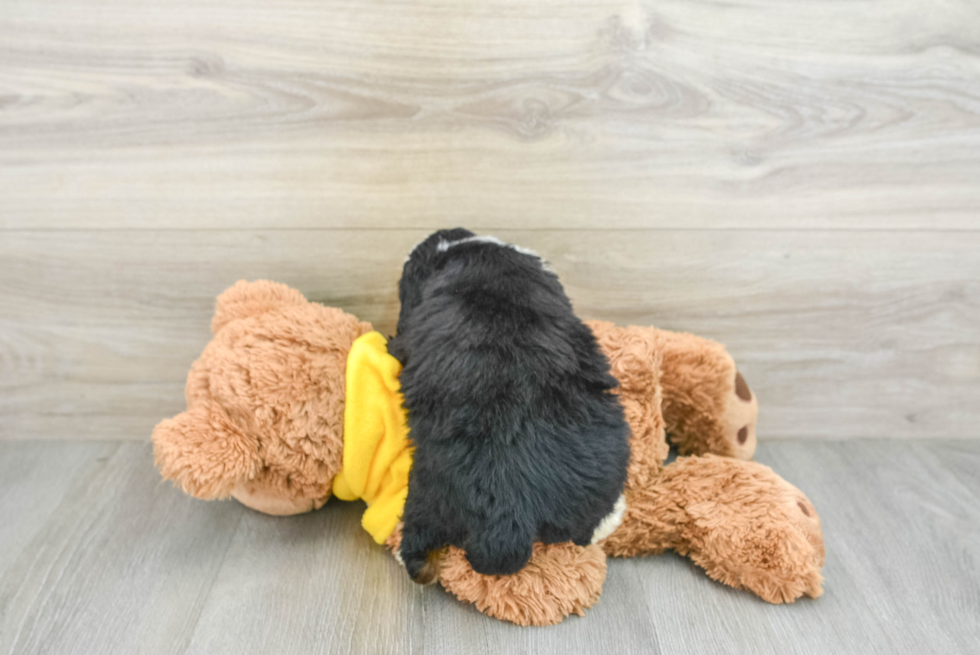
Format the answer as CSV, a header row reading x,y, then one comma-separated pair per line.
x,y
612,520
446,245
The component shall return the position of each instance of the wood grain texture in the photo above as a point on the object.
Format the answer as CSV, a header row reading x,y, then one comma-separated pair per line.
x,y
35,481
126,564
841,334
122,565
897,524
797,180
498,114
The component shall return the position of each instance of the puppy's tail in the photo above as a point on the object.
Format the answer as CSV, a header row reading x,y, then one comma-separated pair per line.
x,y
500,547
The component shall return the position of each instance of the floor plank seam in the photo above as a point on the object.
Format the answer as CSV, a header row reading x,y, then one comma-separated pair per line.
x,y
192,632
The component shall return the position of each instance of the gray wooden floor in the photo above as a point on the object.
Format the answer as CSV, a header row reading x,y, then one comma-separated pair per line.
x,y
98,556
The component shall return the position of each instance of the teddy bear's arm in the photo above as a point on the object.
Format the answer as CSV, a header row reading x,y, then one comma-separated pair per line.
x,y
742,523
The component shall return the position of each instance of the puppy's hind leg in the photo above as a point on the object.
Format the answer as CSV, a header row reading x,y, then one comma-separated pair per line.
x,y
502,545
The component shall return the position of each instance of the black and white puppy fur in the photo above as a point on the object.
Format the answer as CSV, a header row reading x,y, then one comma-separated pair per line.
x,y
517,436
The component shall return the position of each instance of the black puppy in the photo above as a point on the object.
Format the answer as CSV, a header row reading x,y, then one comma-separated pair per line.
x,y
517,436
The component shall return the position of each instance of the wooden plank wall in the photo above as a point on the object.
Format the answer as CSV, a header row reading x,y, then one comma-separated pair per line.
x,y
800,180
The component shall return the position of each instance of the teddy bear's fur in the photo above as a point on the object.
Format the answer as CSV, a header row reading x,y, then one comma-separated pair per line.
x,y
265,403
264,424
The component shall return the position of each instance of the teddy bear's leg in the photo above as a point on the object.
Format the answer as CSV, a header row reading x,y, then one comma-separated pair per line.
x,y
708,406
202,451
558,580
742,523
246,299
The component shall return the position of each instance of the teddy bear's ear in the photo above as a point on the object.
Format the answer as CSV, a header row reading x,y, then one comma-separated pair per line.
x,y
204,452
246,299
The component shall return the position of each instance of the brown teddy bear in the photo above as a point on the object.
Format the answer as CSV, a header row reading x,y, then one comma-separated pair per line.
x,y
268,400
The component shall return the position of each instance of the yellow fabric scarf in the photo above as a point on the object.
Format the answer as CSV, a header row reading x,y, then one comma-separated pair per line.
x,y
377,451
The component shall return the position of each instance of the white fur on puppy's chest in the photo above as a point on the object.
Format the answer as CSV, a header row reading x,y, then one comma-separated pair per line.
x,y
612,520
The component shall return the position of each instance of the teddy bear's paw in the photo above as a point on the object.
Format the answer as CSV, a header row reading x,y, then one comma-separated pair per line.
x,y
777,565
559,580
758,533
720,419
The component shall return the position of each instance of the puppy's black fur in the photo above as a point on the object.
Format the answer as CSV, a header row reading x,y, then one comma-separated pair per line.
x,y
517,436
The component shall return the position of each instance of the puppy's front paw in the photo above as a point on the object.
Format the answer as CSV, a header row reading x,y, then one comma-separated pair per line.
x,y
423,571
428,571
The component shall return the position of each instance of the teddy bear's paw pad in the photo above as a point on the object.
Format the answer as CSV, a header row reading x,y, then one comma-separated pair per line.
x,y
742,389
559,580
738,420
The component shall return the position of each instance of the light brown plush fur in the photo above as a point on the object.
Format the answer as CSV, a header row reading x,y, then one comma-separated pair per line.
x,y
265,402
743,524
559,580
265,424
